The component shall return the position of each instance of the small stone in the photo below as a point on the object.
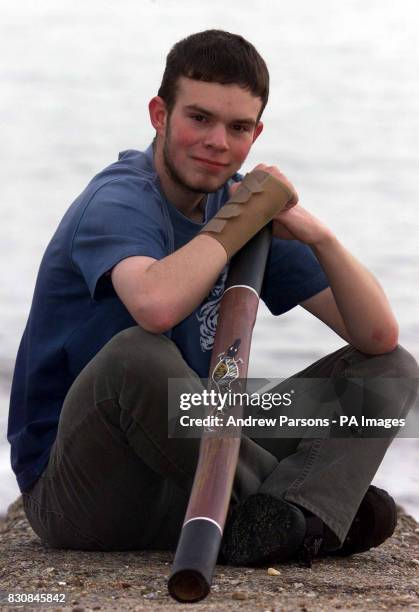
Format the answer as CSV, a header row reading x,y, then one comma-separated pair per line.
x,y
404,599
273,572
298,585
78,609
62,583
414,561
50,570
417,530
241,595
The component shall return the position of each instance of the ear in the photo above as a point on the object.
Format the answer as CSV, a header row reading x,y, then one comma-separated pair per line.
x,y
258,129
158,113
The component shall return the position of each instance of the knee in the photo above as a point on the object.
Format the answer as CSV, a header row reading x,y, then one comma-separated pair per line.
x,y
132,338
136,345
393,387
145,354
393,375
399,363
132,354
406,369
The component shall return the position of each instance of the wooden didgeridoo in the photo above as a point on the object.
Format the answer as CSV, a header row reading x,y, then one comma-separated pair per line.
x,y
197,551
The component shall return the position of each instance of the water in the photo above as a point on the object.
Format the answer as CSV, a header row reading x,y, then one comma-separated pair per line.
x,y
342,123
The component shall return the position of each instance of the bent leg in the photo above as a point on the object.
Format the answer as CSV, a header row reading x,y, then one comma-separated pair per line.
x,y
115,480
329,476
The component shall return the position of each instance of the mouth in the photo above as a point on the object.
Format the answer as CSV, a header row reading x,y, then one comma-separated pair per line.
x,y
210,163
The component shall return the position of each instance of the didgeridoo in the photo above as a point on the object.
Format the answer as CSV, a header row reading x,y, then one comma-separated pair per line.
x,y
198,547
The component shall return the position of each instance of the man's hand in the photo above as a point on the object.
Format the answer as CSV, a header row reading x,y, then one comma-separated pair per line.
x,y
294,222
278,175
281,177
355,305
299,224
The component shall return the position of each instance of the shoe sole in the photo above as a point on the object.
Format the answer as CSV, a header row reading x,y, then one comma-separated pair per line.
x,y
263,529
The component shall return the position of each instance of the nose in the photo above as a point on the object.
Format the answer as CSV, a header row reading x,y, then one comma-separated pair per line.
x,y
216,138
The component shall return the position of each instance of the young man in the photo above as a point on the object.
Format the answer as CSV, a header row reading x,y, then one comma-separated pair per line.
x,y
127,296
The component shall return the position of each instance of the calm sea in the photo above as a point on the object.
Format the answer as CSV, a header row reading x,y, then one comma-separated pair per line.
x,y
342,123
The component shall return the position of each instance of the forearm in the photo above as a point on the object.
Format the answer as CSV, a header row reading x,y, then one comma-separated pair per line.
x,y
361,301
178,283
174,286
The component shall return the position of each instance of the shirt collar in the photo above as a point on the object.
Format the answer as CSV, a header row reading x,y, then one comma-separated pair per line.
x,y
149,153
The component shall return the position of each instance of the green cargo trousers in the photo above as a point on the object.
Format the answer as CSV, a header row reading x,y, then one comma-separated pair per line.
x,y
116,481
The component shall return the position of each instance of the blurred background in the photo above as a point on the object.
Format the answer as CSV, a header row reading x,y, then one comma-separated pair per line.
x,y
342,122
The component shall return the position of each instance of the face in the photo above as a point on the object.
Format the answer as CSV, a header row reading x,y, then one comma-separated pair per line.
x,y
208,134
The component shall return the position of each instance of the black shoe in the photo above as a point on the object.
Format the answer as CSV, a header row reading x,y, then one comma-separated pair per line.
x,y
374,523
263,529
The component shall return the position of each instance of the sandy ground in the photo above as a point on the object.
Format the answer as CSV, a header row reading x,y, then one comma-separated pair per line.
x,y
386,578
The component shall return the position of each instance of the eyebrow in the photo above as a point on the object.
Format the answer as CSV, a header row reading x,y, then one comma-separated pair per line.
x,y
199,109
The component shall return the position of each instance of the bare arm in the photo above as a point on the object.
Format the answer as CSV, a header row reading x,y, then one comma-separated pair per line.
x,y
355,306
160,294
363,307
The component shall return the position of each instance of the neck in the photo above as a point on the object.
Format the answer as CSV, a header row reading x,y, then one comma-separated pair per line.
x,y
189,203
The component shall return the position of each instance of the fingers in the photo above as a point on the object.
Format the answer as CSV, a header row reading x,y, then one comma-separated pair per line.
x,y
233,188
292,202
276,172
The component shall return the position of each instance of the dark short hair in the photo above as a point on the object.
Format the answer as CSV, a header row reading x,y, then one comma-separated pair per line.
x,y
215,56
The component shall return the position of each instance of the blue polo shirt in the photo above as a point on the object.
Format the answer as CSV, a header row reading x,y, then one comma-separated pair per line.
x,y
75,310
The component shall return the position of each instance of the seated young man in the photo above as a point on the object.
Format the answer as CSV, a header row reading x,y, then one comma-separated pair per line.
x,y
127,297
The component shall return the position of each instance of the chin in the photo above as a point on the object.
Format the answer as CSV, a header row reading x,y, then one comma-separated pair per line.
x,y
209,184
207,187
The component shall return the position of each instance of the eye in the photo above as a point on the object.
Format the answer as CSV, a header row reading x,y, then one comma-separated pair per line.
x,y
238,127
199,118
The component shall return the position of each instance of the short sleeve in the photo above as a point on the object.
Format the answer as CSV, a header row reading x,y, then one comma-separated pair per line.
x,y
122,219
293,275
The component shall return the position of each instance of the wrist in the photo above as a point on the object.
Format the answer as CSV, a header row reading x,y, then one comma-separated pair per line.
x,y
326,242
211,248
254,204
